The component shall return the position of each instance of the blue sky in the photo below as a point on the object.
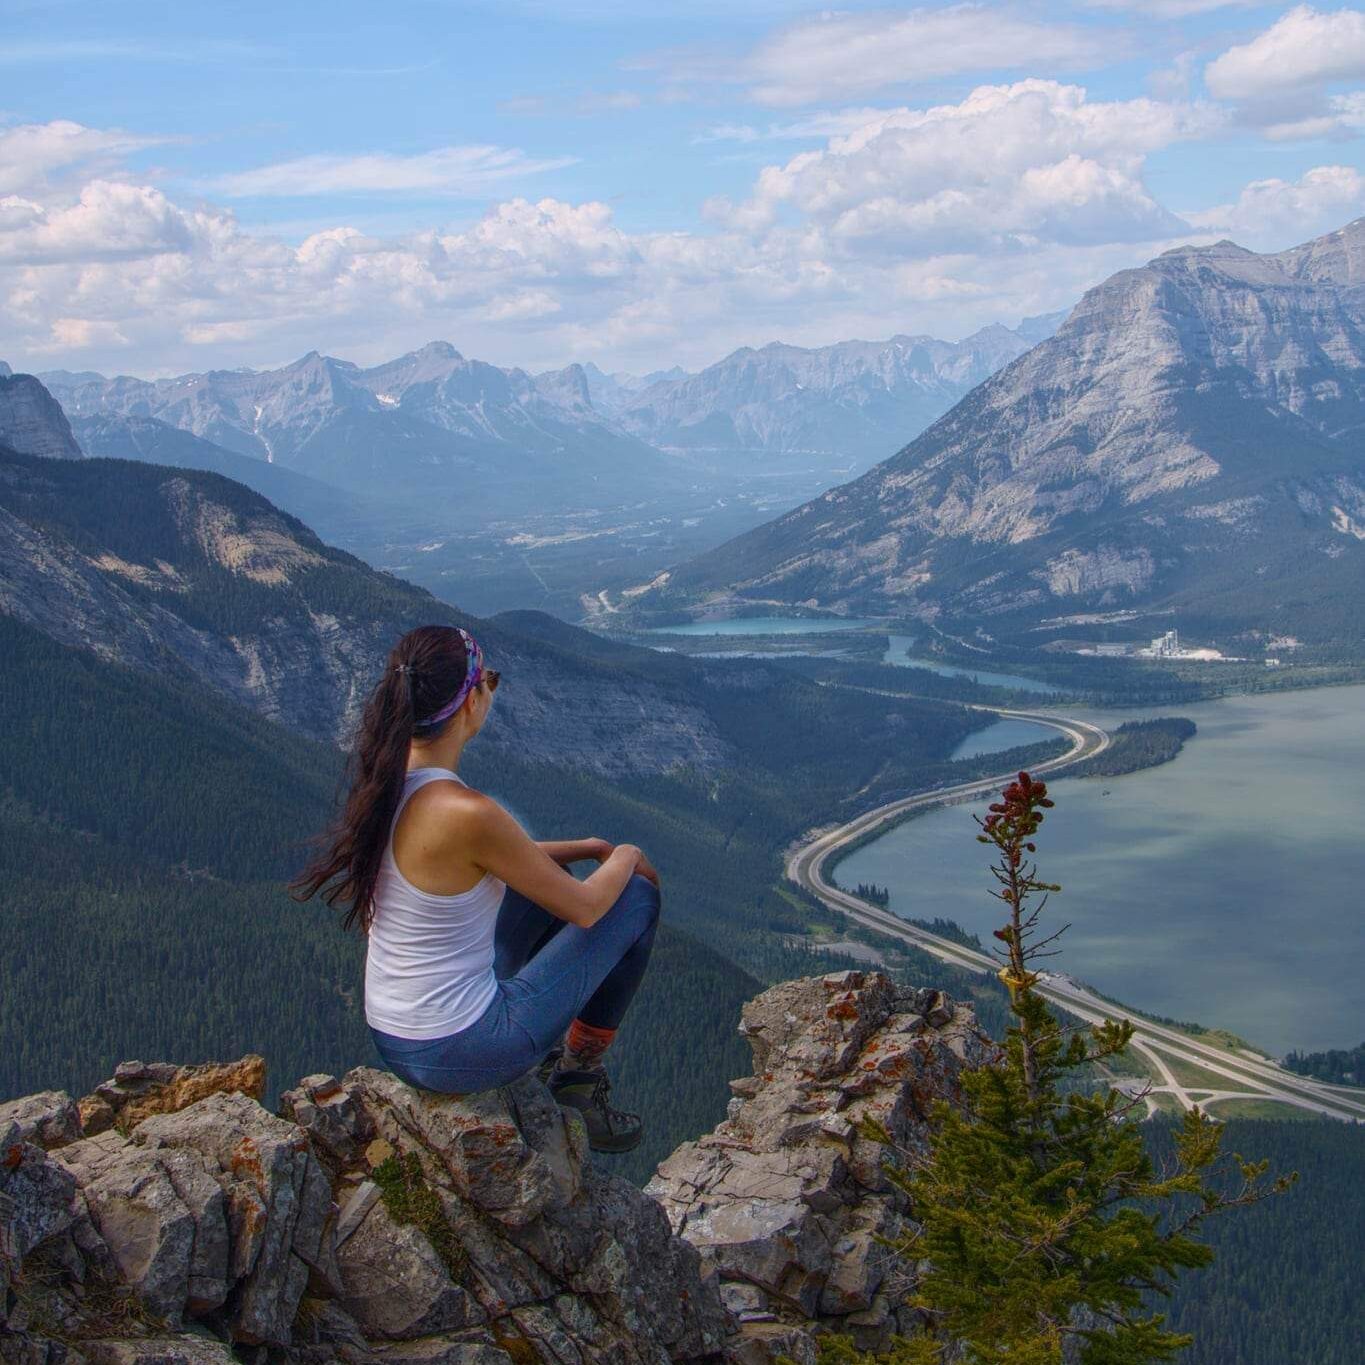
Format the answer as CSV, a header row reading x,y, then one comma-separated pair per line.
x,y
187,185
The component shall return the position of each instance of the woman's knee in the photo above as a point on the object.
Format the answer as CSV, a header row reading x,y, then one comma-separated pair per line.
x,y
643,891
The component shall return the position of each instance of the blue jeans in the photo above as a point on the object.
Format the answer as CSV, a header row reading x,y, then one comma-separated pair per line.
x,y
549,973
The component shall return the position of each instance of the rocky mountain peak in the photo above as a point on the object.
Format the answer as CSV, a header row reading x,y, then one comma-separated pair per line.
x,y
32,421
376,1224
1189,414
568,387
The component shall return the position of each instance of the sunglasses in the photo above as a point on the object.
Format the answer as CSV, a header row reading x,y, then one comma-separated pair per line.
x,y
492,677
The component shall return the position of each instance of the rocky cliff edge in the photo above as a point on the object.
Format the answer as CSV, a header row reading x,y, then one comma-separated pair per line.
x,y
169,1219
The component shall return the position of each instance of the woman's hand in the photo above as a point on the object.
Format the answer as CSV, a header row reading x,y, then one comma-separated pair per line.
x,y
602,850
647,869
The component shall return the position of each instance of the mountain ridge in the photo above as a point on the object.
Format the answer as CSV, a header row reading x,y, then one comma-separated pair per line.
x,y
1184,437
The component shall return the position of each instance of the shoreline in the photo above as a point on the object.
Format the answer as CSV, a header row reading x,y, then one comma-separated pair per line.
x,y
812,862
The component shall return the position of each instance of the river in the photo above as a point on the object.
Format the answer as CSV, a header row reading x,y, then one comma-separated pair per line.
x,y
1224,887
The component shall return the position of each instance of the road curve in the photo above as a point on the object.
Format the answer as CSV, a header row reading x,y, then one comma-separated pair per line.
x,y
1259,1079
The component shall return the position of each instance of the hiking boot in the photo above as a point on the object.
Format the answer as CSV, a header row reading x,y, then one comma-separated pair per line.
x,y
547,1063
609,1130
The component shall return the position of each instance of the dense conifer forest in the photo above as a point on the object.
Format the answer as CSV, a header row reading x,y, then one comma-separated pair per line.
x,y
1138,744
1284,1287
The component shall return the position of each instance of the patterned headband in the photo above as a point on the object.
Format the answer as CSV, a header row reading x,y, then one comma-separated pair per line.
x,y
473,674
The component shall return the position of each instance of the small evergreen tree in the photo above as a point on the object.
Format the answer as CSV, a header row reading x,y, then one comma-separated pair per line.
x,y
1044,1227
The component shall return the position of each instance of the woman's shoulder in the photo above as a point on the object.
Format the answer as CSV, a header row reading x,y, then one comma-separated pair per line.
x,y
443,817
446,793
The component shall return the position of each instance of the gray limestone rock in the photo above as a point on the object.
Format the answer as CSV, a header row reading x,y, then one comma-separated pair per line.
x,y
39,1200
473,1144
328,1112
48,1119
456,1348
163,1219
785,1195
178,1350
32,421
277,1202
396,1286
280,1235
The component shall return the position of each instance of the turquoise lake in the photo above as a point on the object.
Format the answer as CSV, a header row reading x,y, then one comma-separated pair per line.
x,y
764,625
1224,887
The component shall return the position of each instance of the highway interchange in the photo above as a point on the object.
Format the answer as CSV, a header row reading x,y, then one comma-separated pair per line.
x,y
1244,1075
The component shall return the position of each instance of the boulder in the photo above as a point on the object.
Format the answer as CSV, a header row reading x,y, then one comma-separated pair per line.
x,y
176,1350
39,1200
162,1217
539,1245
458,1348
396,1286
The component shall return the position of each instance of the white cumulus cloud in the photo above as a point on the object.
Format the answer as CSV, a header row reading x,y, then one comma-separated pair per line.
x,y
1032,161
1266,211
1281,78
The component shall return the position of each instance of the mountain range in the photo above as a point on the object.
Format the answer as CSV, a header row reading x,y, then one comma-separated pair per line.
x,y
846,404
431,423
435,421
1188,440
501,489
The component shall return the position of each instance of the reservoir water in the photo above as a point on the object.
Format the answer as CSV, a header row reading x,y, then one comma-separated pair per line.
x,y
896,651
1224,887
1003,734
897,645
764,625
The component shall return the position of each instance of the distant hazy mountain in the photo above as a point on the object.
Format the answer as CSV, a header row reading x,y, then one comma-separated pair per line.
x,y
189,575
847,404
1191,437
431,424
333,512
442,427
31,420
612,392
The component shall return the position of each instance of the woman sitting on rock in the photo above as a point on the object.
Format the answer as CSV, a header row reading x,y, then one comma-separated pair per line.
x,y
486,956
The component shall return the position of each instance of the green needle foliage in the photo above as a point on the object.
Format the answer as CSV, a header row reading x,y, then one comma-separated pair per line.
x,y
1046,1231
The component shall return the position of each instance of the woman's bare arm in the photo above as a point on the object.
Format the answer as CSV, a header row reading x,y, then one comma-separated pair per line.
x,y
498,844
575,850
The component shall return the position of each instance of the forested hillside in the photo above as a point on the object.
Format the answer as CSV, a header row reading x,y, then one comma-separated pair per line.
x,y
144,830
146,826
1284,1287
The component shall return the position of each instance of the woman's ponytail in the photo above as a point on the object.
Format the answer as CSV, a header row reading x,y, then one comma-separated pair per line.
x,y
427,665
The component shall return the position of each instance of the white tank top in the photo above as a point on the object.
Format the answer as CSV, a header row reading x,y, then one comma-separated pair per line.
x,y
429,958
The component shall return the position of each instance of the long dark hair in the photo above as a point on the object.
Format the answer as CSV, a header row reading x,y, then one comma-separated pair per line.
x,y
424,672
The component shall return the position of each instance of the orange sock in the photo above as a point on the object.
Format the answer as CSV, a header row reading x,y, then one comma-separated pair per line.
x,y
584,1045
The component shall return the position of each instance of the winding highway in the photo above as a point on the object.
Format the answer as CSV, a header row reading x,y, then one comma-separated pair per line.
x,y
1246,1077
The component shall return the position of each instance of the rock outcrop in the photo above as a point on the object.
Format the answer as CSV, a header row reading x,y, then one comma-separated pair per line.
x,y
786,1199
372,1222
